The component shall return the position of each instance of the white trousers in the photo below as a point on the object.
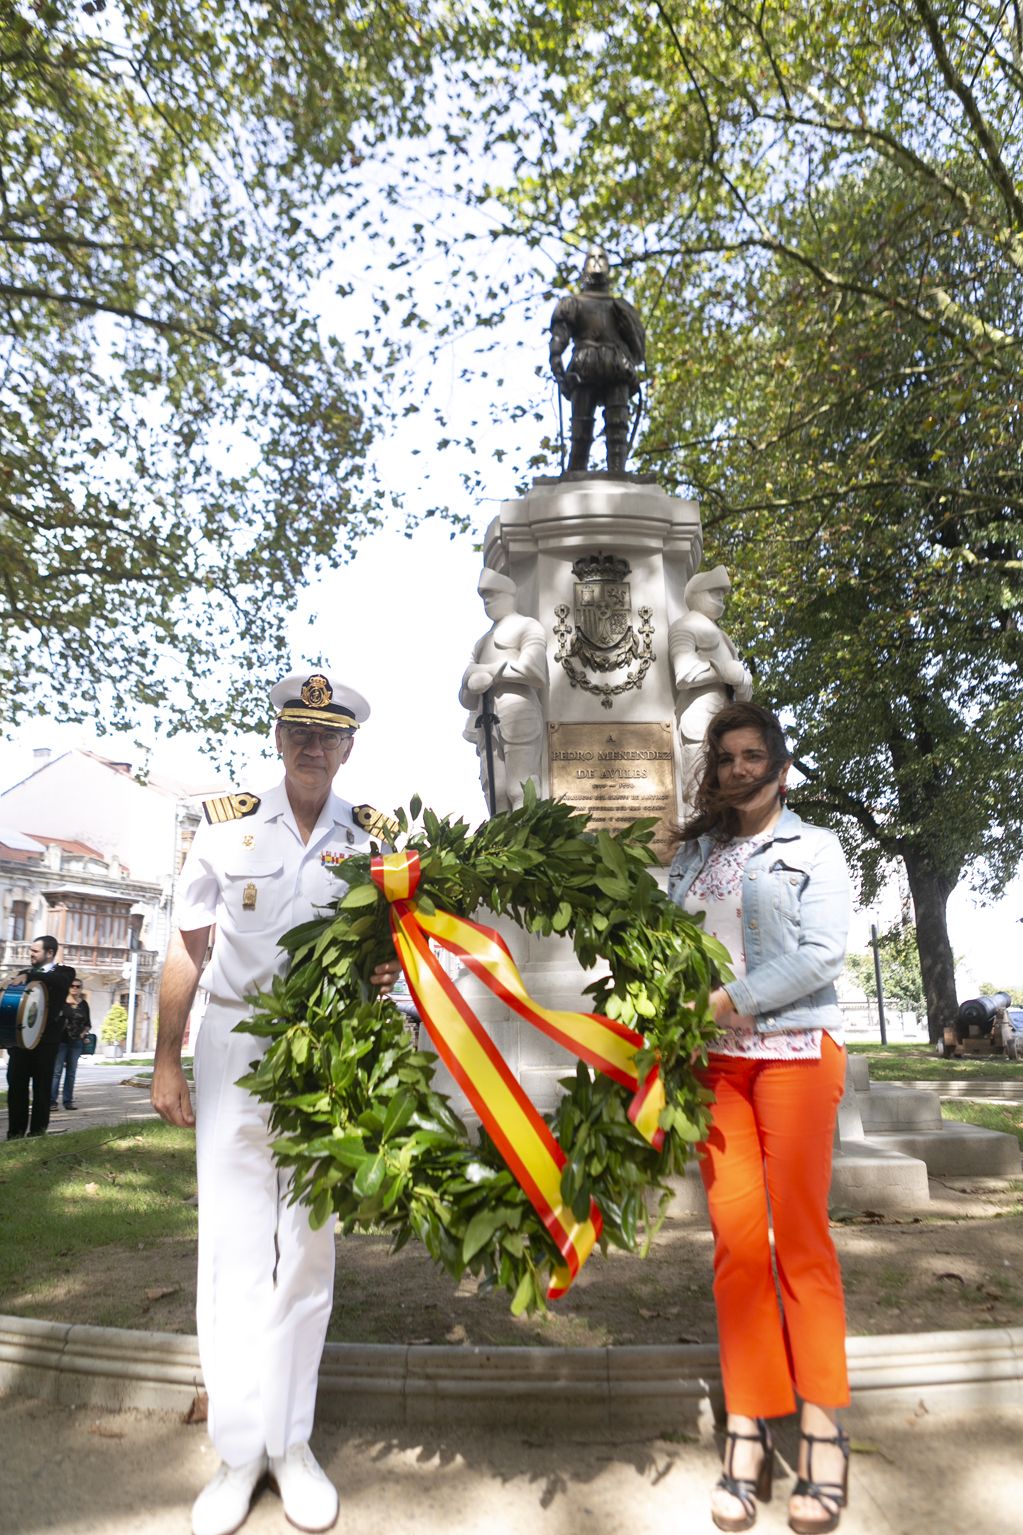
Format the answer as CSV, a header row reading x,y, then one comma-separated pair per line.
x,y
266,1278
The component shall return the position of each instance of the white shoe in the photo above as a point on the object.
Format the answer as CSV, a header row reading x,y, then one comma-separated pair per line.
x,y
223,1504
310,1499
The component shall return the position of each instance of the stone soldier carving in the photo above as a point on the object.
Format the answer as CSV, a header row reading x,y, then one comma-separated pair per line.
x,y
509,663
608,347
705,665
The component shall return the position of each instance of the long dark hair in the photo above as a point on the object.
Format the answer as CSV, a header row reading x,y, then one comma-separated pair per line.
x,y
714,807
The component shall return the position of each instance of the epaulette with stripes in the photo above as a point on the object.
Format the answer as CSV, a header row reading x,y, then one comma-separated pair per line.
x,y
229,807
384,827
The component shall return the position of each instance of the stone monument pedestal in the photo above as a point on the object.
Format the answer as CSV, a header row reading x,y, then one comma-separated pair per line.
x,y
601,562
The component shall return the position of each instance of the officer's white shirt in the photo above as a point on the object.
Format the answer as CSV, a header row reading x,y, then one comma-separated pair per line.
x,y
255,878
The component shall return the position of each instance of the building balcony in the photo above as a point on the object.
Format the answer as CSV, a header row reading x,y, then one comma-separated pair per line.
x,y
85,957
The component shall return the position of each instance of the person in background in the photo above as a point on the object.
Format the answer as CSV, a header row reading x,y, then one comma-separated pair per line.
x,y
76,1024
258,866
31,1071
775,891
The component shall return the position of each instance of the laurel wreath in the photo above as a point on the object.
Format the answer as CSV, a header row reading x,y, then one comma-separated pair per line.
x,y
356,1119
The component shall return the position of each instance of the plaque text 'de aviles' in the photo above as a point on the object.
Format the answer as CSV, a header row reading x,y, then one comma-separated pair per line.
x,y
616,773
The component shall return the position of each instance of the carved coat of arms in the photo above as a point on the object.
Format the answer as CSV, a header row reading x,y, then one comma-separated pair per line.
x,y
604,638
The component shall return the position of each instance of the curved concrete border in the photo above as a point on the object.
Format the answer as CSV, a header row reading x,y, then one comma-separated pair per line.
x,y
590,1391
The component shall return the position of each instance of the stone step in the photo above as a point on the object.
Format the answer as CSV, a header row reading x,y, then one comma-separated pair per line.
x,y
957,1151
888,1107
858,1073
864,1176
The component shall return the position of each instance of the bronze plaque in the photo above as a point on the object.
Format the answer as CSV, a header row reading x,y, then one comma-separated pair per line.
x,y
617,773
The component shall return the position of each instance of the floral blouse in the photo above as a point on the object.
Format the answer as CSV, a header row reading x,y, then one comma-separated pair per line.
x,y
717,890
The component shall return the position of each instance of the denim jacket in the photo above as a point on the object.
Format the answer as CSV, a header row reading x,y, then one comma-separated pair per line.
x,y
795,916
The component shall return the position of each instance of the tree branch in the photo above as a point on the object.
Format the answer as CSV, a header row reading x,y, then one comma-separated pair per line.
x,y
999,171
846,804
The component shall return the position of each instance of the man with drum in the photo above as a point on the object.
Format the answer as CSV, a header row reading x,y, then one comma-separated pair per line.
x,y
259,865
32,1069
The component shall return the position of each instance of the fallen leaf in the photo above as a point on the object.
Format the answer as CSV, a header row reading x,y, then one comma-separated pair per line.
x,y
198,1409
456,1334
158,1291
865,1447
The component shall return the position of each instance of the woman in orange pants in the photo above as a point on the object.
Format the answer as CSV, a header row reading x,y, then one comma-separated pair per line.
x,y
776,892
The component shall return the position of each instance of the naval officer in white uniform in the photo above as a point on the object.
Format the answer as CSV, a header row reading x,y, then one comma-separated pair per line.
x,y
259,865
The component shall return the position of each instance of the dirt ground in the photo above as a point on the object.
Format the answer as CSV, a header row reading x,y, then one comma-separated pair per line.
x,y
957,1267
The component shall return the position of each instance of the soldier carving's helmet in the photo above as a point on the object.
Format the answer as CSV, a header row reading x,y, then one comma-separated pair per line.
x,y
715,580
492,581
596,272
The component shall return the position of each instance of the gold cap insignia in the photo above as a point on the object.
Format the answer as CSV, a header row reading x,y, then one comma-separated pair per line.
x,y
317,691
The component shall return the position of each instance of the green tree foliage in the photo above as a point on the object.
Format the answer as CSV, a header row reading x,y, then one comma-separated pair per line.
x,y
114,1028
181,448
819,209
1015,993
900,969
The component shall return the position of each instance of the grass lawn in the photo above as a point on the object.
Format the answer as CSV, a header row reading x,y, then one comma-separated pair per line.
x,y
917,1061
990,1116
63,1199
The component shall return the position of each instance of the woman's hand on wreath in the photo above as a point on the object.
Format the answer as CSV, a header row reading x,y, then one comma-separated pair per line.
x,y
385,975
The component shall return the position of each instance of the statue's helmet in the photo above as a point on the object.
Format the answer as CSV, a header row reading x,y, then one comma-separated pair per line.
x,y
596,272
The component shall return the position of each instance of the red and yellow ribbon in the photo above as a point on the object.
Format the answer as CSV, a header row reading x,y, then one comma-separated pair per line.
x,y
463,1044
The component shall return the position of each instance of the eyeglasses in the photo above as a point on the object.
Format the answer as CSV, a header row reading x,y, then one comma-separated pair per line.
x,y
328,740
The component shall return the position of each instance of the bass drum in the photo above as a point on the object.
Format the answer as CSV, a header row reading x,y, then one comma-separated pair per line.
x,y
22,1014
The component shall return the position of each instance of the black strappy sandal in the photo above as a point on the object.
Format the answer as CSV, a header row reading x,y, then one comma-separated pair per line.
x,y
743,1488
832,1496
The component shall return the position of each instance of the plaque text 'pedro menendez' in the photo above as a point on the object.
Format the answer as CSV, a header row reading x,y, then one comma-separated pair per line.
x,y
616,773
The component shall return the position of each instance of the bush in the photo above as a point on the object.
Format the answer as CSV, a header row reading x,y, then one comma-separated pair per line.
x,y
114,1030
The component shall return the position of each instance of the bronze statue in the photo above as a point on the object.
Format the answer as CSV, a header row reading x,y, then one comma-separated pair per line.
x,y
608,346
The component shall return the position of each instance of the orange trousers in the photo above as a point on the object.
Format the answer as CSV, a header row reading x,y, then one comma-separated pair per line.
x,y
772,1127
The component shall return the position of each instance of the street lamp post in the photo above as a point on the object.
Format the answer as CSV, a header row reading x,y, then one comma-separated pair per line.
x,y
877,977
133,976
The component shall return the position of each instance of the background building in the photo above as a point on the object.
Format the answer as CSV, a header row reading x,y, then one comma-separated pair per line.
x,y
90,854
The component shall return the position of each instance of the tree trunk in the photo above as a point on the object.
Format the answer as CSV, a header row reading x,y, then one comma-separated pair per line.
x,y
930,891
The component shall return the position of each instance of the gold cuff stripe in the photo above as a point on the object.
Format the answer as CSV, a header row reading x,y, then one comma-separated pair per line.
x,y
295,716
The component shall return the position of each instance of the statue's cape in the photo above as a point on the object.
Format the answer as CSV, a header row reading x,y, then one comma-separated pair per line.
x,y
630,328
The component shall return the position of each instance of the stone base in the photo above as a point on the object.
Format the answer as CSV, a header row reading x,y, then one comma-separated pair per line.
x,y
906,1122
869,1176
864,1176
958,1151
885,1107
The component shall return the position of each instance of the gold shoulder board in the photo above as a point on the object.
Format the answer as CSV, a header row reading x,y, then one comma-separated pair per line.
x,y
375,823
229,807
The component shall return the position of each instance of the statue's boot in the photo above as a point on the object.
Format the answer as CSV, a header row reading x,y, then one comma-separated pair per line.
x,y
582,442
616,430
